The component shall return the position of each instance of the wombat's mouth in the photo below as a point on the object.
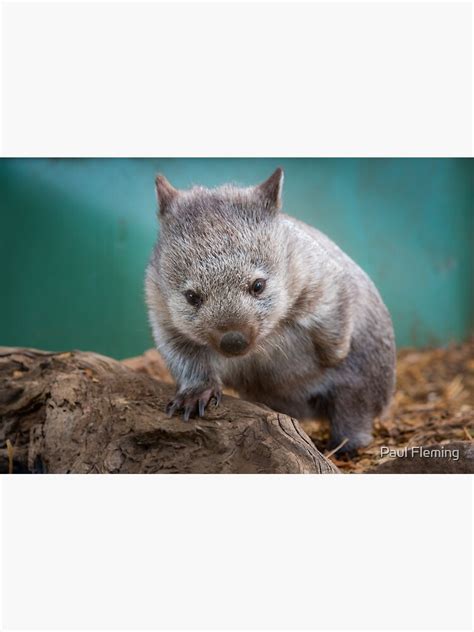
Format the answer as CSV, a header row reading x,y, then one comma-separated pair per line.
x,y
234,354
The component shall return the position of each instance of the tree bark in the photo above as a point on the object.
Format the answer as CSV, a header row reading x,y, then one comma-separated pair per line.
x,y
79,412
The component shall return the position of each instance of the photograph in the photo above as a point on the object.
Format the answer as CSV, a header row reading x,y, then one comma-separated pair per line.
x,y
237,316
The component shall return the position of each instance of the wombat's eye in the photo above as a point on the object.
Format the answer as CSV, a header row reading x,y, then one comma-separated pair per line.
x,y
193,298
258,286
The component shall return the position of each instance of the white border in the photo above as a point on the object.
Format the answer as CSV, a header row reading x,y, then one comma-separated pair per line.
x,y
409,150
337,79
226,552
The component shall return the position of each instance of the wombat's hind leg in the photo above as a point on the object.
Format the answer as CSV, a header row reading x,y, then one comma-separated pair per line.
x,y
346,439
350,420
193,400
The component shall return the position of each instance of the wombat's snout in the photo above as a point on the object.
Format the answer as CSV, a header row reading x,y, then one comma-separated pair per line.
x,y
234,343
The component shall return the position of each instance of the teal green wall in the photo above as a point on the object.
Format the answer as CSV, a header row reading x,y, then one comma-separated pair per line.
x,y
75,236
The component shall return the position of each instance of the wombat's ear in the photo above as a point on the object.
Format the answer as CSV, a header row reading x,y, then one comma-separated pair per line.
x,y
165,193
271,189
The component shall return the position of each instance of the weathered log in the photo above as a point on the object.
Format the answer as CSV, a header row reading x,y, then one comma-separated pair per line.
x,y
86,413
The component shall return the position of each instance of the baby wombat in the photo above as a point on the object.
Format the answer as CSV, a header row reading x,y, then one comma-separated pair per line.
x,y
241,295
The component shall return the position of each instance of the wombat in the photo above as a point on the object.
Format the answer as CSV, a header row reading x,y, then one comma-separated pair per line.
x,y
241,295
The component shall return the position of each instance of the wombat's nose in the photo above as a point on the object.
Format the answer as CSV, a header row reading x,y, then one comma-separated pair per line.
x,y
233,343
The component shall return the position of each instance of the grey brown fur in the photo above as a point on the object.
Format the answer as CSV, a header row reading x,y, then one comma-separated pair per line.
x,y
320,340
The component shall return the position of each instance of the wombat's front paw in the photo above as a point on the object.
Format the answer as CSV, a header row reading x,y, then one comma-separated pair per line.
x,y
194,400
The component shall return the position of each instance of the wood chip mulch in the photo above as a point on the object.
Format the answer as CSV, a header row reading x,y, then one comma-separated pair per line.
x,y
433,404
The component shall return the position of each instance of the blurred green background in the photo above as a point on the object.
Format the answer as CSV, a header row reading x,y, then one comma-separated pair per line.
x,y
76,234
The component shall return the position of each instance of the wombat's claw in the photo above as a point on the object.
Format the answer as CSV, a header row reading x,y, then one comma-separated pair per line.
x,y
171,407
205,398
187,412
202,407
193,403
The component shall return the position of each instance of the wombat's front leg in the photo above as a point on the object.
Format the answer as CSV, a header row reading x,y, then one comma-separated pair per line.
x,y
190,365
